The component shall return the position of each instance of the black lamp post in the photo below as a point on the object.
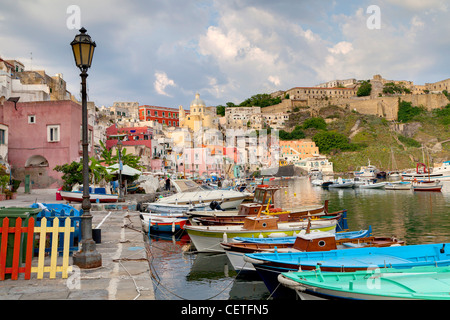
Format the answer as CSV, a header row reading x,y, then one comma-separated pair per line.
x,y
87,257
119,149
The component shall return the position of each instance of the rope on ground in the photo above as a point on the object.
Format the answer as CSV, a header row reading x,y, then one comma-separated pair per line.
x,y
157,278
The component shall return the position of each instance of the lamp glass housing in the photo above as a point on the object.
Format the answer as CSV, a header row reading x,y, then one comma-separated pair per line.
x,y
83,50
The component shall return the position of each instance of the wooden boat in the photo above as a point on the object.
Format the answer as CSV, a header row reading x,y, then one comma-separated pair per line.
x,y
261,199
398,185
162,223
208,238
291,240
427,185
77,196
316,241
269,265
424,283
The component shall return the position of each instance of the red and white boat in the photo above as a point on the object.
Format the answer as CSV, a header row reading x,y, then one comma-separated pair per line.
x,y
427,185
77,196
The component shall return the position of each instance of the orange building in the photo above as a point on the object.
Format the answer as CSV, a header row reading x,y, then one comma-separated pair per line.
x,y
295,150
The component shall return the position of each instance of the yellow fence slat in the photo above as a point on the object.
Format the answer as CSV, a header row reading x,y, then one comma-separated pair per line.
x,y
66,249
42,240
54,230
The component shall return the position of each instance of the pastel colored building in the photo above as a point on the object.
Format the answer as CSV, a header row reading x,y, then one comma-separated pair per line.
x,y
295,150
163,115
137,141
43,135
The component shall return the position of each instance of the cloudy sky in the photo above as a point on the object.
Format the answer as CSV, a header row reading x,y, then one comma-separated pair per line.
x,y
163,52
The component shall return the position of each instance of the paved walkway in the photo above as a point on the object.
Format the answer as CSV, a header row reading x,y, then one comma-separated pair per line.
x,y
124,274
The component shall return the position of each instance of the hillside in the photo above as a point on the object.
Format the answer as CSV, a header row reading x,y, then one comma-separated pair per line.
x,y
375,137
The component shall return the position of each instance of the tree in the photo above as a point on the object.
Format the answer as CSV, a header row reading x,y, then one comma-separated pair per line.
x,y
127,159
330,140
73,173
220,110
296,134
406,111
260,100
365,89
316,123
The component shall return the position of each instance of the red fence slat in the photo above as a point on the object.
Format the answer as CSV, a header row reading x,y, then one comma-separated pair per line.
x,y
3,250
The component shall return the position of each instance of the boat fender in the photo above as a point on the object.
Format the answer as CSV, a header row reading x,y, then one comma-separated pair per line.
x,y
225,238
173,227
260,236
290,283
252,260
443,248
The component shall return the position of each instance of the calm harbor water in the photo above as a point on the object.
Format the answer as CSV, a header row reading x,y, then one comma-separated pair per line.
x,y
415,217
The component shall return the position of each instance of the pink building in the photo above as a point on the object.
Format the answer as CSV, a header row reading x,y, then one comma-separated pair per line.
x,y
43,135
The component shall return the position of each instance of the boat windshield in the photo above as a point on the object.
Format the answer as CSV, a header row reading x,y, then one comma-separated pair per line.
x,y
259,196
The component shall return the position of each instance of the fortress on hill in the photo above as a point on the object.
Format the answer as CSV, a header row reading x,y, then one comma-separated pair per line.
x,y
343,94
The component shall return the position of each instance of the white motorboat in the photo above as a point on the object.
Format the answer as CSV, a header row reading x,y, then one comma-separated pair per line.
x,y
342,183
369,171
398,185
189,191
158,207
372,184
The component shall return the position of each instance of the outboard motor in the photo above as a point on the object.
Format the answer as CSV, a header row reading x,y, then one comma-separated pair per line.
x,y
214,205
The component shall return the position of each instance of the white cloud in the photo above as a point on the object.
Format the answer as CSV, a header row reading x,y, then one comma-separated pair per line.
x,y
342,47
162,81
275,80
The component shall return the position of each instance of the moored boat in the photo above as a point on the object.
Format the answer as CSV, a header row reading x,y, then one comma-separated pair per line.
x,y
269,265
372,184
369,171
316,241
157,207
262,199
77,196
190,192
398,185
162,223
339,235
441,172
418,283
427,185
208,238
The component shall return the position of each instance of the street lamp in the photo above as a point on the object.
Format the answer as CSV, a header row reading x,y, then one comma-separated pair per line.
x,y
87,257
119,149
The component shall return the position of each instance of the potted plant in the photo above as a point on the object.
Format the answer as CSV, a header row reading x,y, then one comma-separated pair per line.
x,y
4,180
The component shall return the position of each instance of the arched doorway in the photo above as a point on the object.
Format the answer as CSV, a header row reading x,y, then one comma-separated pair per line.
x,y
36,161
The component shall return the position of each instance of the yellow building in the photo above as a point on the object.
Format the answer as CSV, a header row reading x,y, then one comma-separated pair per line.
x,y
200,117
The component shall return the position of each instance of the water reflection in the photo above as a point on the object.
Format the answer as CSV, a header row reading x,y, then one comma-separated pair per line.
x,y
415,217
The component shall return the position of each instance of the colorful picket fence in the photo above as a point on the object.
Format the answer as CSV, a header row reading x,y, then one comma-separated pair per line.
x,y
56,231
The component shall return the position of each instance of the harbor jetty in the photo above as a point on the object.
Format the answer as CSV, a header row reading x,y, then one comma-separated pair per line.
x,y
124,274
